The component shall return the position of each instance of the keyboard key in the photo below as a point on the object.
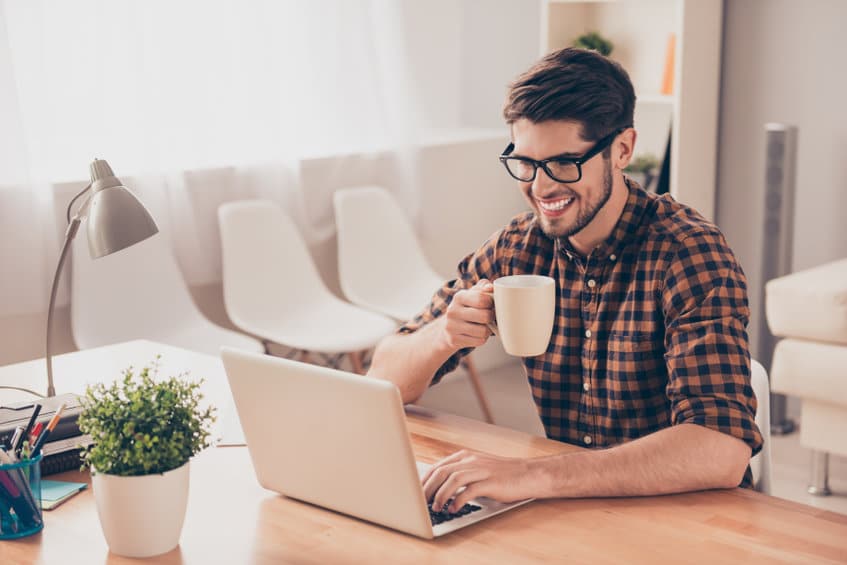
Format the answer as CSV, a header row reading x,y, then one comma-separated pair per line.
x,y
439,517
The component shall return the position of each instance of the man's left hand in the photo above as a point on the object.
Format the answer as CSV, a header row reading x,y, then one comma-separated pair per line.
x,y
500,478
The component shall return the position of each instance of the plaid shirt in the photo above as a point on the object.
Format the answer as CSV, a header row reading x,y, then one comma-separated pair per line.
x,y
650,329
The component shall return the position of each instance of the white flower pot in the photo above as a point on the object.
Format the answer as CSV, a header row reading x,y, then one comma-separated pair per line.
x,y
142,516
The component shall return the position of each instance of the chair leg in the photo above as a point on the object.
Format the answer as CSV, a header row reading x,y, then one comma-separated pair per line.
x,y
819,482
470,367
356,362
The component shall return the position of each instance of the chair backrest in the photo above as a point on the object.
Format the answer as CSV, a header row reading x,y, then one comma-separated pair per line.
x,y
379,253
761,463
267,268
135,293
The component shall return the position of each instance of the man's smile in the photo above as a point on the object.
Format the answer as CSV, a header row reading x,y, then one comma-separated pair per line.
x,y
554,206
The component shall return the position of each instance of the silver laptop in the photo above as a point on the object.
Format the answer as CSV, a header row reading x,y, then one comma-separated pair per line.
x,y
337,440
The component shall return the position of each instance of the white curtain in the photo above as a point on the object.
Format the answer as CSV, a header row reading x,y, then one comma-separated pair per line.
x,y
193,103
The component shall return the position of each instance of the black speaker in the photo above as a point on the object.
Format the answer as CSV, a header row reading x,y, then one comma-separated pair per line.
x,y
777,241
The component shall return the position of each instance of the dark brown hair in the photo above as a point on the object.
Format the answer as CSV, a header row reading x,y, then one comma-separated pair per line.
x,y
574,85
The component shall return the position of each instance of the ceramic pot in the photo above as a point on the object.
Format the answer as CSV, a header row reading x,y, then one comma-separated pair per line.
x,y
142,516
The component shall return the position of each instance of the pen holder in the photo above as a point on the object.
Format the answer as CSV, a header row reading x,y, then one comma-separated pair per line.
x,y
20,499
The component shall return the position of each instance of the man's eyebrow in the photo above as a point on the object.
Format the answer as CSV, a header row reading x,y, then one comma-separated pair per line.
x,y
556,156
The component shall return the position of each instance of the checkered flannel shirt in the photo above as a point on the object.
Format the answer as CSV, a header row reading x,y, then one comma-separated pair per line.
x,y
650,329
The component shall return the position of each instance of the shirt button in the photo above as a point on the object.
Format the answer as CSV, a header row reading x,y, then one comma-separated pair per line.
x,y
586,386
588,333
612,257
591,283
587,440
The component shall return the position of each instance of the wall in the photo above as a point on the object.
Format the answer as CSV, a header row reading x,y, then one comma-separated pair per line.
x,y
783,62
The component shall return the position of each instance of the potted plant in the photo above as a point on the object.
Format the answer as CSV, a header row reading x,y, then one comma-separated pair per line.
x,y
144,432
594,41
642,169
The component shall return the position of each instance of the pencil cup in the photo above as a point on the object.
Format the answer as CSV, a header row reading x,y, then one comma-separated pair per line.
x,y
20,499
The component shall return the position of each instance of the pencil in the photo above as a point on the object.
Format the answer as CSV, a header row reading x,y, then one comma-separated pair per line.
x,y
50,427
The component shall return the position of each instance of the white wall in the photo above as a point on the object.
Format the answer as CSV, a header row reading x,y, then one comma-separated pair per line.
x,y
784,62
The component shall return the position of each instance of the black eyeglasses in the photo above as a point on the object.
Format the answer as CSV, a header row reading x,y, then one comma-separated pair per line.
x,y
559,168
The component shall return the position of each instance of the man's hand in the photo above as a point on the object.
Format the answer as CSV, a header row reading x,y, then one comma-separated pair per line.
x,y
467,317
480,474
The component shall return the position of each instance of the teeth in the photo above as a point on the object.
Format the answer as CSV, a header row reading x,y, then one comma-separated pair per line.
x,y
554,205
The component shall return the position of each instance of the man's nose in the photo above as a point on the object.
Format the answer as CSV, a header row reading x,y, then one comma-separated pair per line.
x,y
542,182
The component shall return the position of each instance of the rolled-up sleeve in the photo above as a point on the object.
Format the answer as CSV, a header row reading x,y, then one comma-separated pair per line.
x,y
704,299
482,264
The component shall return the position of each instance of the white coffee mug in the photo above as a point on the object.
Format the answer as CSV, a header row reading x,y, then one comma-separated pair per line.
x,y
525,307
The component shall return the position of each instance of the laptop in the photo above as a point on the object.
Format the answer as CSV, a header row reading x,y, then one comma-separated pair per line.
x,y
337,440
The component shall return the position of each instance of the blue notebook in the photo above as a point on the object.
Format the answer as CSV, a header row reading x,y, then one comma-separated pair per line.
x,y
53,493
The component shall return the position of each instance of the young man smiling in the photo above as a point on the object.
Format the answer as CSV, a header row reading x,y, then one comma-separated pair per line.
x,y
648,365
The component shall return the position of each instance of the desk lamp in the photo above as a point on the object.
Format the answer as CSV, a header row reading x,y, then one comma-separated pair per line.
x,y
116,220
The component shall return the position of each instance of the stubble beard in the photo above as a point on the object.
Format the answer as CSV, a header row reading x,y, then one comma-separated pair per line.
x,y
585,215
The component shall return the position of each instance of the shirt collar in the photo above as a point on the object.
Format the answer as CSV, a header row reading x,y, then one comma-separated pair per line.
x,y
625,230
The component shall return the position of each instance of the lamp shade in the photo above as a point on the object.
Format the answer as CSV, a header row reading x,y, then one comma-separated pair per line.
x,y
116,218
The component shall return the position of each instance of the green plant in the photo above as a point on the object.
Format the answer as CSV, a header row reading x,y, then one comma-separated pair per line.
x,y
645,163
143,427
594,41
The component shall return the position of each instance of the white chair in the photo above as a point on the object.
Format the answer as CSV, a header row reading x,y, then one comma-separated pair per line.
x,y
809,309
139,293
273,290
381,265
761,463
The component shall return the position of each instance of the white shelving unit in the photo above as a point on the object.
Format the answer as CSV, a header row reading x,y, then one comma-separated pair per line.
x,y
639,30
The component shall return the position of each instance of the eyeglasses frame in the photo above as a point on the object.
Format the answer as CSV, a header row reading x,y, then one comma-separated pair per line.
x,y
601,145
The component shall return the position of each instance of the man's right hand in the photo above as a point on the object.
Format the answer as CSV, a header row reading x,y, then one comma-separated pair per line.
x,y
468,315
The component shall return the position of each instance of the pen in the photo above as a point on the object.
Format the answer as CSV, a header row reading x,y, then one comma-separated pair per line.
x,y
35,433
16,437
36,410
50,427
18,492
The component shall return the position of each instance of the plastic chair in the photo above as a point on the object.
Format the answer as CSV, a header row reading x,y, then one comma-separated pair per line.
x,y
273,290
381,264
761,463
139,293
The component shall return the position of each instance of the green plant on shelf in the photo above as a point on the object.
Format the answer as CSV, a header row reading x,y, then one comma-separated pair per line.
x,y
142,427
643,168
594,41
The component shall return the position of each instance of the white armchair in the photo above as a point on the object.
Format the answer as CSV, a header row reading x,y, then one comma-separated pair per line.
x,y
809,309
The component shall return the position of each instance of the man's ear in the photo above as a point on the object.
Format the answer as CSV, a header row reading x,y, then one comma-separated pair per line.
x,y
623,148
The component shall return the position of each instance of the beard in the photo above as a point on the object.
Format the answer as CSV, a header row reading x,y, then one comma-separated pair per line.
x,y
586,214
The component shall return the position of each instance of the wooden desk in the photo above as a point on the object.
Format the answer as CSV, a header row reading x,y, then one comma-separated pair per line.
x,y
232,520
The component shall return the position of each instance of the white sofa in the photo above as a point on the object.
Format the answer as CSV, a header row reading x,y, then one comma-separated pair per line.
x,y
809,309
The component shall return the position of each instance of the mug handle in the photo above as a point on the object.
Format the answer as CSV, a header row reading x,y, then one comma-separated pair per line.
x,y
492,327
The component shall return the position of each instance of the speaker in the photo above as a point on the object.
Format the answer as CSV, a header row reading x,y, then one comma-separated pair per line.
x,y
777,241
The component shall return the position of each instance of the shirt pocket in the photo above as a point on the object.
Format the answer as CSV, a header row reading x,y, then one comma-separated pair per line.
x,y
635,366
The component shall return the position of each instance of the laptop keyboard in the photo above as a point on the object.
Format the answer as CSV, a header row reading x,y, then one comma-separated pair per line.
x,y
437,517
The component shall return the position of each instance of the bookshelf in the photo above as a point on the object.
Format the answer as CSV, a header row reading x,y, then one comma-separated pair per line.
x,y
639,30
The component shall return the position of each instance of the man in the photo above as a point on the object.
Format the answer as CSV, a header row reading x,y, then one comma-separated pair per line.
x,y
648,365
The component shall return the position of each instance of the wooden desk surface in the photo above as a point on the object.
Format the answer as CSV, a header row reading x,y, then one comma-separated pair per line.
x,y
231,519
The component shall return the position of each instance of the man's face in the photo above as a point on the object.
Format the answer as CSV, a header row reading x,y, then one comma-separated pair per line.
x,y
563,209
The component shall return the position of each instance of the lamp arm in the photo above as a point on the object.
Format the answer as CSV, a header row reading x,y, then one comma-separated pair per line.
x,y
74,199
70,233
73,227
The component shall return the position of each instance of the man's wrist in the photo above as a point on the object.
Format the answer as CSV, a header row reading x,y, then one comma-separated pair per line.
x,y
442,346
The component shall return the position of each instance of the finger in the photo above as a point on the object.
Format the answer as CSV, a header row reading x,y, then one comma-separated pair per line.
x,y
484,285
453,457
476,315
474,490
438,477
454,483
471,330
474,298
